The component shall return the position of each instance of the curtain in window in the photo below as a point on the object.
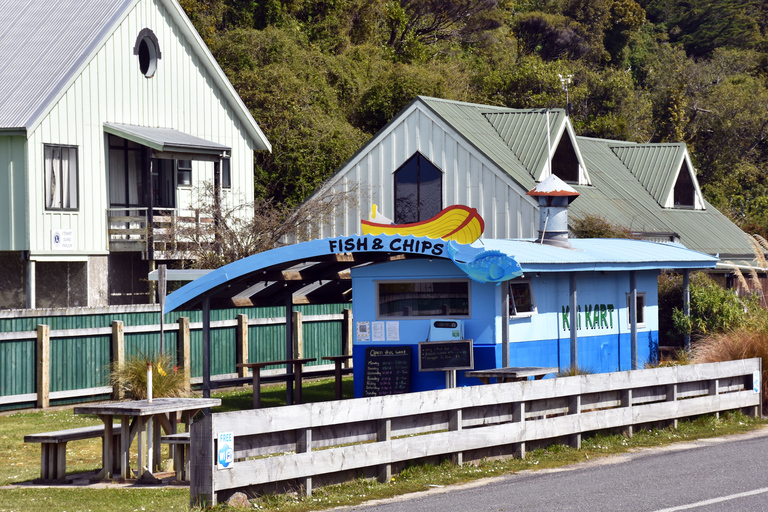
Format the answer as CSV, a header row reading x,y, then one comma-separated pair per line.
x,y
60,177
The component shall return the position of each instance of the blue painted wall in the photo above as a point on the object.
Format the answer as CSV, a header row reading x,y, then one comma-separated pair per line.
x,y
539,339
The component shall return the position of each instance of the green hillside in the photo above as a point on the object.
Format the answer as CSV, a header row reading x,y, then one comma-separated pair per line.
x,y
322,76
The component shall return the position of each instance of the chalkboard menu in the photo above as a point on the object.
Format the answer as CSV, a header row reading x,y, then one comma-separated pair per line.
x,y
446,355
387,371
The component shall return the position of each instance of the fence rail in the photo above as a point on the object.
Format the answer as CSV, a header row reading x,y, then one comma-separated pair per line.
x,y
294,445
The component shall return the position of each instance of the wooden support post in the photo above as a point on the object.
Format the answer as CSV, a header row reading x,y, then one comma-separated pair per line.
x,y
242,345
298,335
207,347
626,401
633,318
43,366
118,355
201,464
574,407
505,325
384,434
574,319
518,416
454,424
672,397
184,358
304,445
347,336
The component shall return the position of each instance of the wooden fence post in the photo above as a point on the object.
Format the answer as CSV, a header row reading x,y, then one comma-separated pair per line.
x,y
183,357
347,336
43,366
201,464
304,445
626,401
454,424
298,335
118,355
384,434
672,397
574,407
241,350
518,416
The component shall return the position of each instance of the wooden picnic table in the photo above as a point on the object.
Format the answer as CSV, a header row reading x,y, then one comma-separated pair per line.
x,y
256,375
135,415
337,360
511,373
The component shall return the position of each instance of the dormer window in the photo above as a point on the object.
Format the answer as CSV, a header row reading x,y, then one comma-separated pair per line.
x,y
148,50
565,163
685,192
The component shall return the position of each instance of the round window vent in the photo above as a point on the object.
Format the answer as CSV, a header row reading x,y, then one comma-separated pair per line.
x,y
148,51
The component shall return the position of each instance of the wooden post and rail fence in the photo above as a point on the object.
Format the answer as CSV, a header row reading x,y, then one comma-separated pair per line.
x,y
44,336
304,445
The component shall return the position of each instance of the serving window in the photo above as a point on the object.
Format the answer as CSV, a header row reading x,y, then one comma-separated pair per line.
x,y
521,302
423,298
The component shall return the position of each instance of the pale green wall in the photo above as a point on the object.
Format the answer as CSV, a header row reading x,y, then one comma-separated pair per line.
x,y
13,212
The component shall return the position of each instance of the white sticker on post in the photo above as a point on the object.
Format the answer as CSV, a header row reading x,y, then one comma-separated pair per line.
x,y
756,380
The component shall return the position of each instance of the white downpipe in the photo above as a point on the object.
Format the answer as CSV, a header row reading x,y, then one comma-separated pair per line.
x,y
549,149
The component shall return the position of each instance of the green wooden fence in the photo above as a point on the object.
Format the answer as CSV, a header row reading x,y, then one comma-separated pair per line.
x,y
80,348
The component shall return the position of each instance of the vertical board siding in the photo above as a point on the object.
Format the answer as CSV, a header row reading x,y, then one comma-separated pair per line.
x,y
17,367
80,362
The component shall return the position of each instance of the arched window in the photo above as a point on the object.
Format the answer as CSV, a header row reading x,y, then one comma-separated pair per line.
x,y
418,190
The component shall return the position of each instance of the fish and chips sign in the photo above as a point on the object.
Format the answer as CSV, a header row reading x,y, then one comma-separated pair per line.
x,y
407,244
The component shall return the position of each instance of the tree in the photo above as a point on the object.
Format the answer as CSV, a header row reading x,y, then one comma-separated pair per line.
x,y
411,23
242,229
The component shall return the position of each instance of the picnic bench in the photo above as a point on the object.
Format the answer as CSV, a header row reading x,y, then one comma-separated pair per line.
x,y
181,444
337,371
256,376
53,458
511,373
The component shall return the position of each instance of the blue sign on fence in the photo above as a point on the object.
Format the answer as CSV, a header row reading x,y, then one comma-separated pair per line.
x,y
226,455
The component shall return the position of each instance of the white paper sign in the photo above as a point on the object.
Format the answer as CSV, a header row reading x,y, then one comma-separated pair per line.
x,y
377,331
63,239
226,455
393,331
756,381
363,331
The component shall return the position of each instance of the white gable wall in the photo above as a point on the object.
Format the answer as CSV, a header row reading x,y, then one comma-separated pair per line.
x,y
111,88
469,178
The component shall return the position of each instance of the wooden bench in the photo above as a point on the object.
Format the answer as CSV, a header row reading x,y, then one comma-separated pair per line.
x,y
180,454
53,457
295,376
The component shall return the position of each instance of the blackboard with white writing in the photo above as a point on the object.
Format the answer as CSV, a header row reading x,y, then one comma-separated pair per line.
x,y
446,355
387,371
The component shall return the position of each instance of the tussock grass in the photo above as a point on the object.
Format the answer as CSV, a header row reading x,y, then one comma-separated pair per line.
x,y
167,380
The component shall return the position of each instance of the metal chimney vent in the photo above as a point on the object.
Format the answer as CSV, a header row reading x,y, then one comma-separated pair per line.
x,y
554,197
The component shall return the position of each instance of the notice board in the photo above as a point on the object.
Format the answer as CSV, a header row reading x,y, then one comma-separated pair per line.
x,y
387,371
446,355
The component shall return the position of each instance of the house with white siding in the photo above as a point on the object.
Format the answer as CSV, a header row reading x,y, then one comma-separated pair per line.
x,y
112,114
436,153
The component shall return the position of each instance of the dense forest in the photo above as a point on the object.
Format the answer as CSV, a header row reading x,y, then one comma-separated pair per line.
x,y
321,76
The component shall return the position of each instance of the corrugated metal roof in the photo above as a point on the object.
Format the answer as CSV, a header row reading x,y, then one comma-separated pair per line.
x,y
600,254
257,273
525,133
654,165
622,190
618,197
164,139
43,44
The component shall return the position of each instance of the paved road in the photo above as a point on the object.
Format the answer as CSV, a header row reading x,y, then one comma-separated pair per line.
x,y
723,474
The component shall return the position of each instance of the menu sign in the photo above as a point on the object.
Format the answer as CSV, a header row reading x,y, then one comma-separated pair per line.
x,y
387,371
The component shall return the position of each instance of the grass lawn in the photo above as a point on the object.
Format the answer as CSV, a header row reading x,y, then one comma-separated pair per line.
x,y
20,462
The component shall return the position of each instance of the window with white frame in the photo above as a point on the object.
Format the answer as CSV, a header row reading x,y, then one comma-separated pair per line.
x,y
640,309
437,298
60,177
184,173
521,301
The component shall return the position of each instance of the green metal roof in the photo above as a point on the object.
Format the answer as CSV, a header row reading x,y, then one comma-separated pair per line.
x,y
629,182
655,165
